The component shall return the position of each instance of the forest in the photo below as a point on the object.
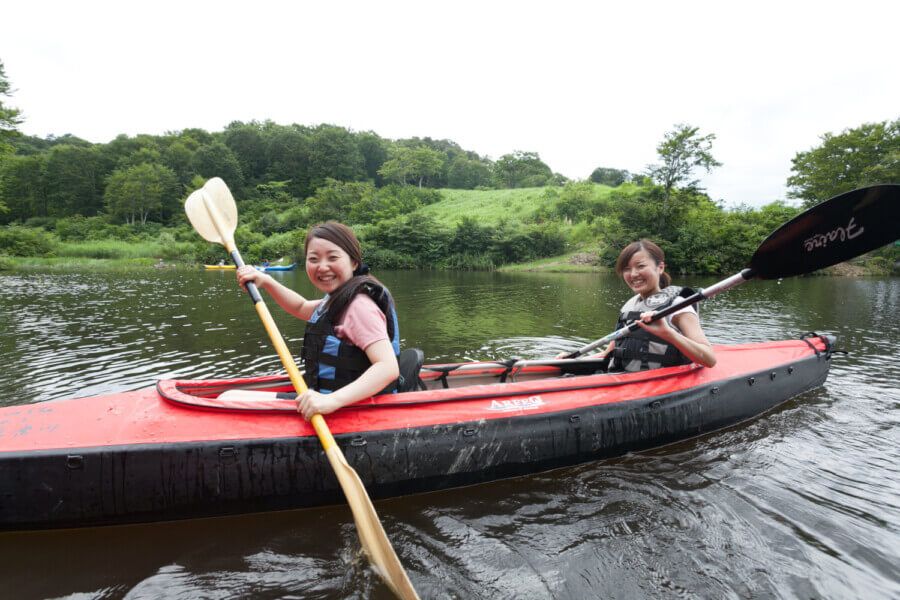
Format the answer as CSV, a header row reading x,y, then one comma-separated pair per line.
x,y
69,199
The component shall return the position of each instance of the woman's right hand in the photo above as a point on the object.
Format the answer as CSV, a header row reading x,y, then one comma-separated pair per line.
x,y
249,274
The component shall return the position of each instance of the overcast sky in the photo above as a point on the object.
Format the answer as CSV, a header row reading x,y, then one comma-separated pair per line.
x,y
584,84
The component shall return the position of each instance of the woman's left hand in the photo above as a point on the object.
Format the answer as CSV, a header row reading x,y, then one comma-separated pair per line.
x,y
312,402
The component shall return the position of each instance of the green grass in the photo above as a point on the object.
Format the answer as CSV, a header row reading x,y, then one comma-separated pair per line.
x,y
488,206
110,249
580,261
67,264
117,249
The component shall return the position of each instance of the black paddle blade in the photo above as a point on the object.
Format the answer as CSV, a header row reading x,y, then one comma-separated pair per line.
x,y
831,232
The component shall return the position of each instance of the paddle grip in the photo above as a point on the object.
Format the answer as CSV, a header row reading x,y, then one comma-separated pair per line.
x,y
251,287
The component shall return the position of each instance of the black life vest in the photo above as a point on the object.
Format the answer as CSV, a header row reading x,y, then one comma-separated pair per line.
x,y
331,363
641,350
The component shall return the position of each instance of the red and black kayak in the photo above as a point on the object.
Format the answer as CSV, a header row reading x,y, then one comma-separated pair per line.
x,y
184,450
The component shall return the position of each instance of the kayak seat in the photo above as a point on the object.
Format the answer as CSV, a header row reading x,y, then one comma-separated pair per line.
x,y
410,362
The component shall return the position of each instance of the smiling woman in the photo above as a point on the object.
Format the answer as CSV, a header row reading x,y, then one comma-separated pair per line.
x,y
674,340
352,337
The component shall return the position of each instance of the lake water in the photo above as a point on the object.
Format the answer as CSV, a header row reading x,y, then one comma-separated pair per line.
x,y
803,502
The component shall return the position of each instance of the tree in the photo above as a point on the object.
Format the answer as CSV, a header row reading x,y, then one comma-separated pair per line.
x,y
247,142
9,117
21,187
856,157
333,153
287,153
412,164
522,169
467,173
681,151
374,152
73,180
180,159
217,160
135,192
610,177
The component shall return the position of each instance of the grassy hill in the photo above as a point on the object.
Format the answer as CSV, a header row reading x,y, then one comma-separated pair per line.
x,y
492,206
488,206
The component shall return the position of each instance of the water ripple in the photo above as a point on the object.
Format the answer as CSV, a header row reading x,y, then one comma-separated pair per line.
x,y
802,502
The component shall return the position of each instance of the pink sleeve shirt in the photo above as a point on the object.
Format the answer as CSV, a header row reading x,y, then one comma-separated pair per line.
x,y
362,323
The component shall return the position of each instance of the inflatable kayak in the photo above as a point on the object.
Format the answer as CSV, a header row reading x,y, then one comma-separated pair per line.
x,y
216,267
184,450
289,267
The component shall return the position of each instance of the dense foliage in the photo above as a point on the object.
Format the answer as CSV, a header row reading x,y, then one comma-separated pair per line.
x,y
10,117
407,199
856,157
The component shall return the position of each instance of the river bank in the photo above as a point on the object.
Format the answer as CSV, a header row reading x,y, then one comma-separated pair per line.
x,y
575,262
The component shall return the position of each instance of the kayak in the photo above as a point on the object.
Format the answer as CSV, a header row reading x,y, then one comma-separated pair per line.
x,y
187,449
289,267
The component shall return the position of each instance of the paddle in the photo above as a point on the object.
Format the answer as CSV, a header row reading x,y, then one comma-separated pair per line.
x,y
831,232
213,213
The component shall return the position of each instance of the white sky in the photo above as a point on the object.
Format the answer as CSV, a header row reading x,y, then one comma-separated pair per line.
x,y
584,84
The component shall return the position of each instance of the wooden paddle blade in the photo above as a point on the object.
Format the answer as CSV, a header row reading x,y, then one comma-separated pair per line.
x,y
198,206
371,533
221,196
836,230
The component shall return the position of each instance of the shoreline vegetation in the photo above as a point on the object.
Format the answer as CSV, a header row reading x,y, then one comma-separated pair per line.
x,y
560,264
417,203
554,230
581,261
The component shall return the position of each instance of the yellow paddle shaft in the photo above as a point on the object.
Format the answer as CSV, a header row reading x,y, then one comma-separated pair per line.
x,y
293,372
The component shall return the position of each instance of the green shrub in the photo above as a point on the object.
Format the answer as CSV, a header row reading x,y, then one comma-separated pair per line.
x,y
206,253
6,263
511,243
382,258
171,249
295,218
470,262
47,223
145,231
23,241
879,265
277,245
470,237
546,240
269,223
417,236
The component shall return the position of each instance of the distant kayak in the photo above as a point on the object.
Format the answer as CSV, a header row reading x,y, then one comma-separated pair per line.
x,y
289,267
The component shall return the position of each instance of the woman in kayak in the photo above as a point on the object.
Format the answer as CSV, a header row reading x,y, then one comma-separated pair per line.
x,y
352,338
676,339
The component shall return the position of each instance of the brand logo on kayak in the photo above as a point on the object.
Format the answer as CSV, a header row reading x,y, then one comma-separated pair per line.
x,y
820,240
517,404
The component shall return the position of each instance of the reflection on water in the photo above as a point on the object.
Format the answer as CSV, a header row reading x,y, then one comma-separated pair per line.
x,y
804,502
